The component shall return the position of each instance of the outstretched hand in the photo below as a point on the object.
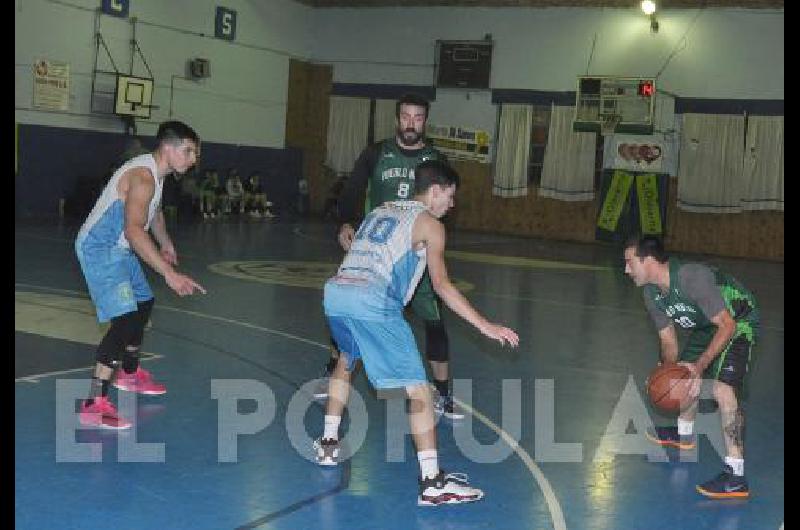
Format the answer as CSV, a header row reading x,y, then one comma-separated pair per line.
x,y
501,334
182,284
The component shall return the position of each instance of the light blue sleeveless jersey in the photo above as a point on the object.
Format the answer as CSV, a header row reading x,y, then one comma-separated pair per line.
x,y
381,271
105,225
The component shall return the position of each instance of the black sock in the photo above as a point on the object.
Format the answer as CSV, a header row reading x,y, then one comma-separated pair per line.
x,y
99,388
130,362
443,387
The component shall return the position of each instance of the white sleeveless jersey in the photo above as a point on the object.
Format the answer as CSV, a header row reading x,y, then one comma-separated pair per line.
x,y
382,262
106,222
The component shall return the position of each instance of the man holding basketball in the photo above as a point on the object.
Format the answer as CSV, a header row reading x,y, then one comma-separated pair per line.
x,y
724,321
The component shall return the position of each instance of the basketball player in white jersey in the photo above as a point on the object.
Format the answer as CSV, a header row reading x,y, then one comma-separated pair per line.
x,y
364,307
108,243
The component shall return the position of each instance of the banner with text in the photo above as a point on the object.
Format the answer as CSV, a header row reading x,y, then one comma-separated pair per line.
x,y
461,143
51,85
626,208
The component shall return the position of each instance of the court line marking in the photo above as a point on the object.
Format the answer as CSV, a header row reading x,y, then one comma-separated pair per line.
x,y
298,232
35,377
556,513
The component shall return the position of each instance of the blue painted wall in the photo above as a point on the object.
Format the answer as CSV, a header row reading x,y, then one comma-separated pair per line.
x,y
53,161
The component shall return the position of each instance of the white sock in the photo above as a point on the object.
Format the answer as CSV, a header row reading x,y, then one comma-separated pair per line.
x,y
685,427
428,463
737,464
332,427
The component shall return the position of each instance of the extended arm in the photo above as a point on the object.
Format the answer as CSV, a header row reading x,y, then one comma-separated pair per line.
x,y
140,191
432,233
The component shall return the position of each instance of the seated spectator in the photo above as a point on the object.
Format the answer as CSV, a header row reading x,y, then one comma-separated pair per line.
x,y
255,199
191,194
210,191
235,191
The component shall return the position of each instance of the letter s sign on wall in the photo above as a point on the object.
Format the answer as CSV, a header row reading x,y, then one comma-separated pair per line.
x,y
225,26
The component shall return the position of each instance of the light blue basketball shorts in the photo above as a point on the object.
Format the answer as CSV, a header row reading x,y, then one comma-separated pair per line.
x,y
115,279
387,348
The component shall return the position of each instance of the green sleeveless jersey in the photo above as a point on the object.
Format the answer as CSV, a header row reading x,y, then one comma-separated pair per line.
x,y
684,309
392,176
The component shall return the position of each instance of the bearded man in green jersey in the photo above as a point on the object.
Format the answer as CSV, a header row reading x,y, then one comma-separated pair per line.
x,y
724,321
385,172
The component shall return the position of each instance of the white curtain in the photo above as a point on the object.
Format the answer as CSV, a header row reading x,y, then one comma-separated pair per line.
x,y
763,164
348,127
710,167
385,123
513,151
568,168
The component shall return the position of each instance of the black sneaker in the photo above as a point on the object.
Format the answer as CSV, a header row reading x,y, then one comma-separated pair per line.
x,y
726,485
446,489
669,437
445,405
327,451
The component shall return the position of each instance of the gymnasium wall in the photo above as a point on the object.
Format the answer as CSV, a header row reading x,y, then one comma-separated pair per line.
x,y
726,55
718,53
240,107
707,60
57,161
755,234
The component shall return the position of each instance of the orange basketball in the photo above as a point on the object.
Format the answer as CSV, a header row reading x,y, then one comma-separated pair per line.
x,y
668,387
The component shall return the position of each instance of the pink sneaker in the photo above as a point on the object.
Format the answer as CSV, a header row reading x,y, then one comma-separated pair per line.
x,y
140,382
102,413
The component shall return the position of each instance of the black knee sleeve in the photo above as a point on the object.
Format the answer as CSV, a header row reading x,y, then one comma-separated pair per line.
x,y
436,345
143,314
121,333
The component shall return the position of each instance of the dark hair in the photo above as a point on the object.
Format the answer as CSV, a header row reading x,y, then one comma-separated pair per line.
x,y
175,132
648,246
433,172
412,99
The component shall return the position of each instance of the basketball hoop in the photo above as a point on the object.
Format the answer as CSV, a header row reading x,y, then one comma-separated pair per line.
x,y
608,123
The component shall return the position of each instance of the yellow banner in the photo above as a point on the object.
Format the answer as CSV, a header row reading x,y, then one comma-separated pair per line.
x,y
615,200
649,212
460,143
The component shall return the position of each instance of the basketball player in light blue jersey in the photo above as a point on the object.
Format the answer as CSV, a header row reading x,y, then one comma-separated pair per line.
x,y
364,307
107,246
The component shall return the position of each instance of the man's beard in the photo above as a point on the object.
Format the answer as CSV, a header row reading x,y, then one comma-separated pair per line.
x,y
409,136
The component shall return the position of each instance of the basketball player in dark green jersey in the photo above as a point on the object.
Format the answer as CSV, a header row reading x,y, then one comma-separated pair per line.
x,y
724,321
386,171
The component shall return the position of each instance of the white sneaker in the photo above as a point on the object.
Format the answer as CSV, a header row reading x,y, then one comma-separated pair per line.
x,y
451,488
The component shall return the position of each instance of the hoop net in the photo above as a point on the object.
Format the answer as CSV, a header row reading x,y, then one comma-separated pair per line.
x,y
608,123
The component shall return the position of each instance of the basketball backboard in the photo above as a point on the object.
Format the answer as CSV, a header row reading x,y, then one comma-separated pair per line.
x,y
610,104
133,96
